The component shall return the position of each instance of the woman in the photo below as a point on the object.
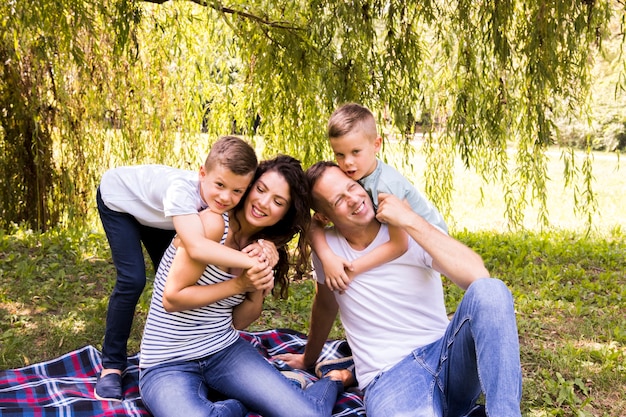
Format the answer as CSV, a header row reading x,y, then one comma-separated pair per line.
x,y
191,351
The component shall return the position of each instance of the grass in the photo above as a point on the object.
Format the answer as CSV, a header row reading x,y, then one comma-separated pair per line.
x,y
569,289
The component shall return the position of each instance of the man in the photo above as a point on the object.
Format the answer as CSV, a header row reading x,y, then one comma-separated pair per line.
x,y
410,360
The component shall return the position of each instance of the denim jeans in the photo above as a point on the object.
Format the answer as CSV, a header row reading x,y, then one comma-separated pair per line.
x,y
236,372
478,353
125,235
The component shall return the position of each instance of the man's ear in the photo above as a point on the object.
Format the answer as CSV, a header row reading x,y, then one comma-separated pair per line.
x,y
321,218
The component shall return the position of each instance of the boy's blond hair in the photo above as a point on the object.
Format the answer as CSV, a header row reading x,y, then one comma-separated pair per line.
x,y
348,117
234,154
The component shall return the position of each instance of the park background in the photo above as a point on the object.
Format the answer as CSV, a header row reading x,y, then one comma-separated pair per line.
x,y
509,116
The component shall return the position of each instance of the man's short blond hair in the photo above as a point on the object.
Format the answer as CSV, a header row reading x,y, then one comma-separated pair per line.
x,y
348,117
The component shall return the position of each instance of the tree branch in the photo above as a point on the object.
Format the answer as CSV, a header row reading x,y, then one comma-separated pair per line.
x,y
246,15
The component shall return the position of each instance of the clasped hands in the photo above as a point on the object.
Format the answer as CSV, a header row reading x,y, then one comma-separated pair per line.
x,y
260,277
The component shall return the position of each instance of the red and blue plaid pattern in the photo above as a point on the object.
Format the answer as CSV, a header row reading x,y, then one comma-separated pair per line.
x,y
64,386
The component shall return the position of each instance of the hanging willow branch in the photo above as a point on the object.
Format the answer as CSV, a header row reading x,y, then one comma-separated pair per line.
x,y
157,81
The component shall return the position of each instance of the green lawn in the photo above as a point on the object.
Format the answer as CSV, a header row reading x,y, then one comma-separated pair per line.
x,y
569,288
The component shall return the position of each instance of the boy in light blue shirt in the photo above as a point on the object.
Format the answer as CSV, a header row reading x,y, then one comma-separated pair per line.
x,y
355,142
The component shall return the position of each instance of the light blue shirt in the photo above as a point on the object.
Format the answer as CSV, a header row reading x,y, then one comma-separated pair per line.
x,y
386,179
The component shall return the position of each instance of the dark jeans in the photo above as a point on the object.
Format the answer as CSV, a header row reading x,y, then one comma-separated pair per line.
x,y
125,235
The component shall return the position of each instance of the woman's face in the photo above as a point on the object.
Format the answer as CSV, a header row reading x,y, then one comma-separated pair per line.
x,y
268,200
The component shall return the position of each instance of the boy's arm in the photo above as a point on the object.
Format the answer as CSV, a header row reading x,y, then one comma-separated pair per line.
x,y
334,266
398,244
204,250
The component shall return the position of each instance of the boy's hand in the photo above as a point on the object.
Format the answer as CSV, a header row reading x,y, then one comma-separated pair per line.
x,y
337,278
265,250
393,211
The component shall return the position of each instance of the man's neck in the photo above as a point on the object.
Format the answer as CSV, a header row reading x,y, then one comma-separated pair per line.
x,y
360,238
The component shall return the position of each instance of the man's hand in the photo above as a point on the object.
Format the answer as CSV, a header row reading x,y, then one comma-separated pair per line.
x,y
295,360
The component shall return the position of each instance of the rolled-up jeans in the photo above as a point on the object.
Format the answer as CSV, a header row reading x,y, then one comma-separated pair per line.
x,y
238,372
126,235
479,352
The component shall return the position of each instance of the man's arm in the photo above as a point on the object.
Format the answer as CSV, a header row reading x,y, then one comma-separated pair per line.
x,y
206,251
323,314
450,257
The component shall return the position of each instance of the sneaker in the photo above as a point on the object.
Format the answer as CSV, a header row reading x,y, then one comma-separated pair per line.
x,y
109,388
326,366
296,378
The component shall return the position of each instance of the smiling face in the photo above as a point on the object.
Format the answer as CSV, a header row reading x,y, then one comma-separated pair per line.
x,y
343,200
268,200
222,189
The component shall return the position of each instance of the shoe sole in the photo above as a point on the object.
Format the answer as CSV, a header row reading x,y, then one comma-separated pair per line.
x,y
95,394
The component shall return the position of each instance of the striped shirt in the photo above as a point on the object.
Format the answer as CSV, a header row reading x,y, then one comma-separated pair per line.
x,y
191,334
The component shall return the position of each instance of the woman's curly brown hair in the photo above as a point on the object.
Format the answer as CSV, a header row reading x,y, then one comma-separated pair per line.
x,y
295,222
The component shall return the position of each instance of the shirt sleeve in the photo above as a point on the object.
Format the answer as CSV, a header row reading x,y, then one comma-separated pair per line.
x,y
182,197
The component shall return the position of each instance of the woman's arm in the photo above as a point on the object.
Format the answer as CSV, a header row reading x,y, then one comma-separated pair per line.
x,y
181,291
247,312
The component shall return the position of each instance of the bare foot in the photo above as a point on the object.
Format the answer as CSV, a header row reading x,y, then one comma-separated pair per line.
x,y
105,372
344,375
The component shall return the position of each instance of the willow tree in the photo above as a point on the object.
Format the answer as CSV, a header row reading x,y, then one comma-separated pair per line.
x,y
86,85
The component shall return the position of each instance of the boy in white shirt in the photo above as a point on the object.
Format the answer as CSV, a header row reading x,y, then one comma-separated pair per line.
x,y
149,204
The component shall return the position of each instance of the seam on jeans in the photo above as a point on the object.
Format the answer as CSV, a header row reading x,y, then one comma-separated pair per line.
x,y
419,355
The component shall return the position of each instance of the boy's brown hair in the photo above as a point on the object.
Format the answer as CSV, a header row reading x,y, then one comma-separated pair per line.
x,y
234,154
347,117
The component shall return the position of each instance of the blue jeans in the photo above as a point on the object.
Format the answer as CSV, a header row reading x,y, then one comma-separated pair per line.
x,y
237,372
478,353
125,235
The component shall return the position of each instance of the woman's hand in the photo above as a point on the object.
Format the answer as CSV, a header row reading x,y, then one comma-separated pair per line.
x,y
265,250
258,278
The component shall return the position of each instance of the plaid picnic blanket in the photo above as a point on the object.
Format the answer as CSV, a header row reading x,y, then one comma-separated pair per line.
x,y
64,386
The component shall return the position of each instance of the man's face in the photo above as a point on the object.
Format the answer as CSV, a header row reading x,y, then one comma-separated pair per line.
x,y
343,200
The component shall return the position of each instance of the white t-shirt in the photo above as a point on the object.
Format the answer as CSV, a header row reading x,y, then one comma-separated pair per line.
x,y
152,193
388,311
